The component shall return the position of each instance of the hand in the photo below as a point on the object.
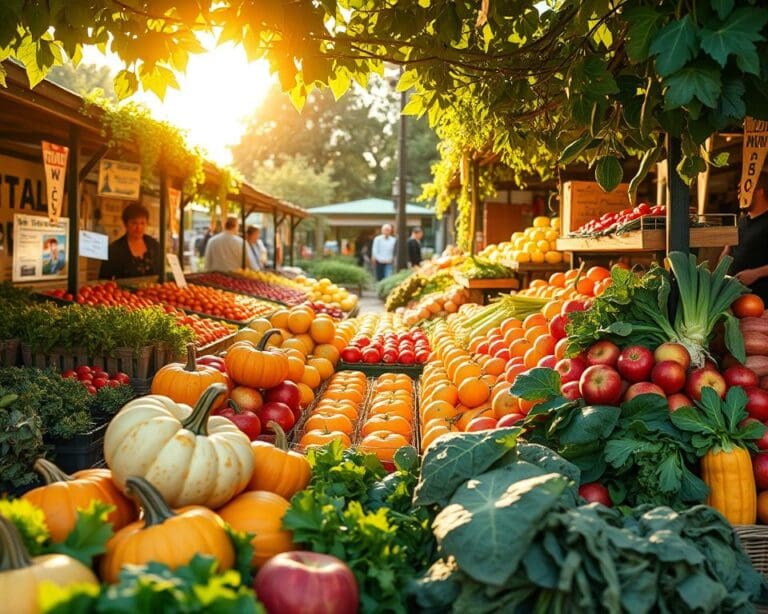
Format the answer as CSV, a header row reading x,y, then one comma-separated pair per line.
x,y
747,276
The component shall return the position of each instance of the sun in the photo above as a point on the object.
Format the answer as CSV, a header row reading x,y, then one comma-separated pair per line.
x,y
216,94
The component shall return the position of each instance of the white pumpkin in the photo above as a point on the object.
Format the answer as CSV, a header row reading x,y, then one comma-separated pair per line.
x,y
191,458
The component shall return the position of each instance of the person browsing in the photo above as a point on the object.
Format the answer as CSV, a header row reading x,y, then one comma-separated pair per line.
x,y
257,251
135,254
383,252
750,256
414,247
224,251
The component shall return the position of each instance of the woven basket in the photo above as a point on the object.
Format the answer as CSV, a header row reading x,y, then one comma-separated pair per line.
x,y
754,541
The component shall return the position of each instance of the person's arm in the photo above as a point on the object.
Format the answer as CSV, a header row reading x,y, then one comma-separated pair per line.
x,y
208,256
375,250
750,276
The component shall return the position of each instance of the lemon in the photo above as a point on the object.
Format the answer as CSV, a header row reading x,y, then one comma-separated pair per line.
x,y
521,256
537,256
555,223
543,245
517,235
553,257
530,247
551,235
541,221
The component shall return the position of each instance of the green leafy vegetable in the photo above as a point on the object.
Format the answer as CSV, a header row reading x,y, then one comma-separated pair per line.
x,y
156,588
537,384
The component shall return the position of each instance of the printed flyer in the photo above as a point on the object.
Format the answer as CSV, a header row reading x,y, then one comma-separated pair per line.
x,y
40,248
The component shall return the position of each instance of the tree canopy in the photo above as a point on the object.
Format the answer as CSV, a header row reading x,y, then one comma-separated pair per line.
x,y
536,82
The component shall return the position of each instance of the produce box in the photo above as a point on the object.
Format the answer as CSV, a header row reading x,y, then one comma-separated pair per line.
x,y
80,452
379,368
582,201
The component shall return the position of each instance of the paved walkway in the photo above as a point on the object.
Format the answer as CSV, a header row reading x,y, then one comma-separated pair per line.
x,y
370,303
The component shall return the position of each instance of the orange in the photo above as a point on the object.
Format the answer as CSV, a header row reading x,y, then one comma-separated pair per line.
x,y
295,369
585,286
446,392
383,444
520,347
309,344
311,377
503,403
437,409
572,274
387,422
300,320
537,283
513,334
473,392
431,435
494,366
470,414
295,344
465,370
327,351
551,309
513,371
307,394
545,344
323,365
339,342
598,273
320,438
557,280
534,332
509,324
322,330
526,406
532,358
279,319
560,348
535,319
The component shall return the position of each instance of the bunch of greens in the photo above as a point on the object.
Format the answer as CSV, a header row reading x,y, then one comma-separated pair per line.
x,y
196,587
475,267
389,283
642,310
512,538
353,510
21,441
636,450
342,272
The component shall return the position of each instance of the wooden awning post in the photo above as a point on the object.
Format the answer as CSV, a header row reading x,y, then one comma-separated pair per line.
x,y
678,201
73,209
163,221
243,216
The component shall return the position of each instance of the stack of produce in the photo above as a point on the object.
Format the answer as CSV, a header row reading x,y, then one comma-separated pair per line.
x,y
390,418
208,301
574,283
477,267
436,305
753,324
327,292
418,286
536,244
109,294
259,288
619,222
383,338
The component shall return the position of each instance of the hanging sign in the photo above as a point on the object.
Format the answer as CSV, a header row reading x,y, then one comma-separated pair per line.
x,y
39,248
119,179
174,202
55,163
753,158
94,245
176,270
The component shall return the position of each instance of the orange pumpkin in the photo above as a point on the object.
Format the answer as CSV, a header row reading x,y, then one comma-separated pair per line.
x,y
330,422
278,469
261,513
185,383
64,494
256,366
383,444
387,422
320,438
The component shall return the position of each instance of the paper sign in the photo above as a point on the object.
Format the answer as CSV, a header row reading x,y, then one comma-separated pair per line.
x,y
176,270
119,180
753,158
39,248
94,245
55,164
174,202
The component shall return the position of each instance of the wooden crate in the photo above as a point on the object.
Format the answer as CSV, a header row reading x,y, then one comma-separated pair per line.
x,y
649,240
582,201
500,220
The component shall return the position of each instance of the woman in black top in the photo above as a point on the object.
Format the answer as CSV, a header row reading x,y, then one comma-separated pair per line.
x,y
135,254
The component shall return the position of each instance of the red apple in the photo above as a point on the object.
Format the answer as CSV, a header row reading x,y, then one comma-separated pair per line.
x,y
247,399
739,375
570,369
482,423
306,582
678,400
600,385
571,390
673,351
557,326
603,353
595,493
83,370
572,305
757,403
279,413
760,468
639,388
669,376
547,362
287,392
700,378
509,420
635,363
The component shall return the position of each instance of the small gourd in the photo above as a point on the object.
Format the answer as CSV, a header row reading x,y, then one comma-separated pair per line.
x,y
254,365
21,575
186,382
165,536
278,469
62,495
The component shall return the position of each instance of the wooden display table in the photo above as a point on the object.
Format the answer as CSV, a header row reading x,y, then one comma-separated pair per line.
x,y
480,288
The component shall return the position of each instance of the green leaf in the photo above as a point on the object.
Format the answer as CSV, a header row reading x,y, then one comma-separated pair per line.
x,y
241,541
90,536
547,460
700,80
737,36
643,25
732,99
30,522
492,519
734,340
126,84
646,164
537,384
722,7
573,149
406,458
456,457
339,82
608,173
589,424
674,46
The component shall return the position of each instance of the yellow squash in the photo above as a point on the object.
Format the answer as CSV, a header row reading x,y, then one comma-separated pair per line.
x,y
728,473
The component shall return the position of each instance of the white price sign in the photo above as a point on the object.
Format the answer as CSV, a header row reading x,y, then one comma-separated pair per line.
x,y
176,270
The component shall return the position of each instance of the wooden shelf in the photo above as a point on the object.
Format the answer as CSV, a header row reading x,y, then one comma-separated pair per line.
x,y
533,267
506,283
648,240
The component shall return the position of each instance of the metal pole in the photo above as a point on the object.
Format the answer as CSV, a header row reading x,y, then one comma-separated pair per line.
x,y
182,206
242,223
163,221
402,166
73,209
274,253
678,202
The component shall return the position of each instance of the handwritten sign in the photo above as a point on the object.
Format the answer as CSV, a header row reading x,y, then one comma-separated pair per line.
x,y
753,158
94,245
55,164
176,270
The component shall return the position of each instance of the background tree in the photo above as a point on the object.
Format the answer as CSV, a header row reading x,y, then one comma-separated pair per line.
x,y
294,180
85,79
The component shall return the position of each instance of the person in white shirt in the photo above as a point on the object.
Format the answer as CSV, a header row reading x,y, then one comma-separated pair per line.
x,y
383,252
257,251
224,251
